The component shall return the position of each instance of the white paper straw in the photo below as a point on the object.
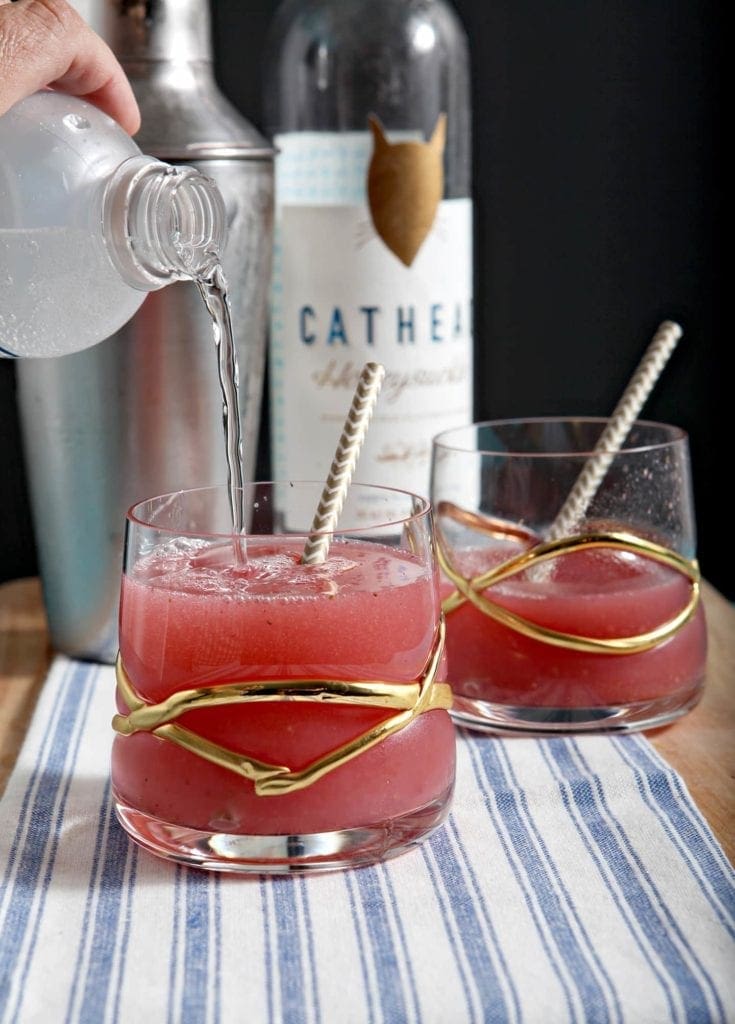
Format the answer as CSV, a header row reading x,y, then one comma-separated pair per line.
x,y
625,413
343,465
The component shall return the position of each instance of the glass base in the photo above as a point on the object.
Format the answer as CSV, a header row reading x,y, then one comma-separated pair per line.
x,y
551,721
283,854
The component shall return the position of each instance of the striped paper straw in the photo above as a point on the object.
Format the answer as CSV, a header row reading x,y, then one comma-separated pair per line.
x,y
631,402
343,465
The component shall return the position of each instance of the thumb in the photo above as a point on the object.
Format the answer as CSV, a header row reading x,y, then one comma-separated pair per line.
x,y
47,43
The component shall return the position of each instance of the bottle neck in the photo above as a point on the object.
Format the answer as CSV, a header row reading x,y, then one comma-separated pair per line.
x,y
162,223
178,31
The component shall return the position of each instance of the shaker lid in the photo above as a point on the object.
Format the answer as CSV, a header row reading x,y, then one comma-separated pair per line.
x,y
165,48
158,29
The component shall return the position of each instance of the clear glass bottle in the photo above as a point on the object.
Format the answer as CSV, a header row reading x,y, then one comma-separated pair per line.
x,y
368,105
89,225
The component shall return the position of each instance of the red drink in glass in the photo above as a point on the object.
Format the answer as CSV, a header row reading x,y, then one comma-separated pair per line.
x,y
595,625
601,593
192,617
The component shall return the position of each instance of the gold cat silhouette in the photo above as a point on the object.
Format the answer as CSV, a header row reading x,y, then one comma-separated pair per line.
x,y
405,183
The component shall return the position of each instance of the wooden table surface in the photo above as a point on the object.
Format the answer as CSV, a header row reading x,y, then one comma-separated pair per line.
x,y
700,746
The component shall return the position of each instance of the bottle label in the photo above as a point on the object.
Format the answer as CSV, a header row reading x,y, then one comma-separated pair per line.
x,y
341,298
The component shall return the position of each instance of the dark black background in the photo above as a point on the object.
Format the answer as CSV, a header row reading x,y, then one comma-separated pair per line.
x,y
598,182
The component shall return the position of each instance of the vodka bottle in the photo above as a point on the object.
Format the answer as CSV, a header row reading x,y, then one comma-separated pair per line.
x,y
89,225
367,102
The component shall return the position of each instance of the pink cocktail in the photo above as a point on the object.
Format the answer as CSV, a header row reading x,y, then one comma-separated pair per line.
x,y
598,594
287,714
608,631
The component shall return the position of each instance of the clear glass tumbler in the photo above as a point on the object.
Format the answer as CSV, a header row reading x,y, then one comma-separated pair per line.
x,y
570,584
275,716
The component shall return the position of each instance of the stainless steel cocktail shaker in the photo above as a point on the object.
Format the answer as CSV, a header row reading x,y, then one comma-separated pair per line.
x,y
141,413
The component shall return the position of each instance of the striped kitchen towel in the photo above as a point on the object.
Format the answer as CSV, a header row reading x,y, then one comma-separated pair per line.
x,y
573,881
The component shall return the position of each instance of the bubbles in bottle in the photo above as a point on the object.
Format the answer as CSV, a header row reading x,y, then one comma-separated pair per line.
x,y
76,122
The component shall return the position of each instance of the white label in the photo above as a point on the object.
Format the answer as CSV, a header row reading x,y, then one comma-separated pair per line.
x,y
342,298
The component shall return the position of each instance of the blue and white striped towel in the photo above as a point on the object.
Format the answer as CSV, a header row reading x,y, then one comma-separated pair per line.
x,y
574,881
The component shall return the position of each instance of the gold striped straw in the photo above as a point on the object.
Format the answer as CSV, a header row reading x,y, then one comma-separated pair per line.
x,y
611,439
343,464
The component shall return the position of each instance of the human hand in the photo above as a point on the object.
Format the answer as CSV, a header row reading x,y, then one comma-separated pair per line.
x,y
48,43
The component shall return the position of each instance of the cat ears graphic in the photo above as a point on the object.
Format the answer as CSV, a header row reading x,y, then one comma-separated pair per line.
x,y
436,142
405,183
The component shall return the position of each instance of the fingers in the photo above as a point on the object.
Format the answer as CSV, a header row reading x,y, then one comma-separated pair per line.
x,y
47,43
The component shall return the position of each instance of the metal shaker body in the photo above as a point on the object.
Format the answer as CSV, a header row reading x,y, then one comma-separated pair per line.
x,y
141,413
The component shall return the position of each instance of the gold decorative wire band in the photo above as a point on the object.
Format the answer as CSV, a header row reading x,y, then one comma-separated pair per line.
x,y
472,589
407,699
